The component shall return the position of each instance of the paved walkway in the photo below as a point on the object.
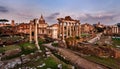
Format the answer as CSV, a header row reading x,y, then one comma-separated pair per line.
x,y
81,63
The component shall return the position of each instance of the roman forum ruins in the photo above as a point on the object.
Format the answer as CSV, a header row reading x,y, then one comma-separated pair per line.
x,y
68,27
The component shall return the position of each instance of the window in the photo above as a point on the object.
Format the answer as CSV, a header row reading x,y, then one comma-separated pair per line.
x,y
43,31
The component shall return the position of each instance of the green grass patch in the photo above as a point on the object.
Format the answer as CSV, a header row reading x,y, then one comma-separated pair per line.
x,y
10,38
116,41
12,56
28,48
50,63
9,47
41,41
55,44
85,35
61,58
109,62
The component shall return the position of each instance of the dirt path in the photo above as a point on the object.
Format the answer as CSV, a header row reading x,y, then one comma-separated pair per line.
x,y
78,61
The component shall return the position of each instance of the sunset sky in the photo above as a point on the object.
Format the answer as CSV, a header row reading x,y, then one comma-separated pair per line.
x,y
90,11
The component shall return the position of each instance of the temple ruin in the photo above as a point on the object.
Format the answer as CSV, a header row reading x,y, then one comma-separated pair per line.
x,y
68,27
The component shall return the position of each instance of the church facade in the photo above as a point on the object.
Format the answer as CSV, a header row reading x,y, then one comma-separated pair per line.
x,y
43,29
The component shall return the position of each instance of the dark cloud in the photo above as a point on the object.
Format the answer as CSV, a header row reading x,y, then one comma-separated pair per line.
x,y
53,16
4,9
24,15
105,18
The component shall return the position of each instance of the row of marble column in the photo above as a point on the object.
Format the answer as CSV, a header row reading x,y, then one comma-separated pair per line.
x,y
115,30
69,29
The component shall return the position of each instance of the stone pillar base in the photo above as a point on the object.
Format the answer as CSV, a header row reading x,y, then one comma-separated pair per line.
x,y
39,50
38,47
30,41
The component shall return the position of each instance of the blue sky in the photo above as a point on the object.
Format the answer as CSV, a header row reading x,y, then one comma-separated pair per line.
x,y
87,11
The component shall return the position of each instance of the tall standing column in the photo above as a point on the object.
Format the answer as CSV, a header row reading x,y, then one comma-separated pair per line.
x,y
117,30
73,31
30,32
76,29
79,30
62,30
112,29
66,30
36,34
59,33
70,28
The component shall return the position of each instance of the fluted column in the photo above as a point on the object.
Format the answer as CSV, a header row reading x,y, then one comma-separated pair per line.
x,y
36,34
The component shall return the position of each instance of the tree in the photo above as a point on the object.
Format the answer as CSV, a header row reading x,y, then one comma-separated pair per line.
x,y
118,24
4,20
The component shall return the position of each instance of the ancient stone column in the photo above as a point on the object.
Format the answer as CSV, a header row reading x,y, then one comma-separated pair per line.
x,y
70,28
66,30
59,33
75,29
36,34
79,30
117,30
112,29
62,30
30,32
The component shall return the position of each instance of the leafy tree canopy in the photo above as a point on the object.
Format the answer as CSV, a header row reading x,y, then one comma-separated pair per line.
x,y
4,20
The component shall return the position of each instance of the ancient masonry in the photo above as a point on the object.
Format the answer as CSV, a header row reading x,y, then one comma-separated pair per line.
x,y
68,27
